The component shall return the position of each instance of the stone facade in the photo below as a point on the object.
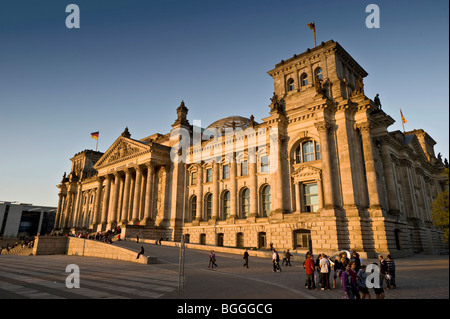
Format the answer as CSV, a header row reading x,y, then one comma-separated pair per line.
x,y
321,172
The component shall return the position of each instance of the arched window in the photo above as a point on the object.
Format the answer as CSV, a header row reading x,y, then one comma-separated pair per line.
x,y
266,201
208,206
290,84
307,151
226,204
245,202
193,210
304,79
318,73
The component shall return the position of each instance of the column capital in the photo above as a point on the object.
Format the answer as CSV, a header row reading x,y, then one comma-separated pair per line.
x,y
100,179
363,127
138,168
323,126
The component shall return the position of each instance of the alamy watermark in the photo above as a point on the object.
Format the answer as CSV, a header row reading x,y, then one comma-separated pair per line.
x,y
226,145
73,280
373,19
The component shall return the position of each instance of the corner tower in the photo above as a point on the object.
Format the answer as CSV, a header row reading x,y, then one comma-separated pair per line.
x,y
325,70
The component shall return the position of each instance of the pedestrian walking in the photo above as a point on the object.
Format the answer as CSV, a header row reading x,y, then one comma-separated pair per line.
x,y
284,258
137,238
246,259
212,259
324,265
309,271
361,277
276,261
288,256
141,252
391,271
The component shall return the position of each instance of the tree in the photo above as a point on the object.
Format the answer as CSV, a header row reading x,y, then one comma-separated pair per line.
x,y
439,210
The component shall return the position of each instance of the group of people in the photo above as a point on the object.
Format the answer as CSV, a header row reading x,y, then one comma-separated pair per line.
x,y
23,241
349,273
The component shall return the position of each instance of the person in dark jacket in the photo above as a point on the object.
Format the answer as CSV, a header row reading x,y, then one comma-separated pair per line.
x,y
246,259
140,253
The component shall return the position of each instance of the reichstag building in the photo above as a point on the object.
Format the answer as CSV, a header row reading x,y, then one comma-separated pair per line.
x,y
321,172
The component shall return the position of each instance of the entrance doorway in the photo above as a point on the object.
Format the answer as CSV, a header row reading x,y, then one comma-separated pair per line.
x,y
262,241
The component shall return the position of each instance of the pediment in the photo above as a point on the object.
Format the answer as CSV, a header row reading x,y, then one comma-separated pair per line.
x,y
306,171
121,150
417,148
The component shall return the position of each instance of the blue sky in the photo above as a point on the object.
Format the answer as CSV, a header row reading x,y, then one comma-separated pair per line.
x,y
132,62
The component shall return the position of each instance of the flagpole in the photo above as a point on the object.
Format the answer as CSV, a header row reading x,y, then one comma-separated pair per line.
x,y
96,145
314,34
403,122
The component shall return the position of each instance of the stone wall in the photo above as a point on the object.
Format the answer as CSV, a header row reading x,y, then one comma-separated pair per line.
x,y
53,245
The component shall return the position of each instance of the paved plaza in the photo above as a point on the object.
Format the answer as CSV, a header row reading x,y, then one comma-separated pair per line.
x,y
33,277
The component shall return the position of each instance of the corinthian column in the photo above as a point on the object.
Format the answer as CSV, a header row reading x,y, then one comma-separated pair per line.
x,y
137,195
105,207
98,200
149,194
113,213
126,197
59,211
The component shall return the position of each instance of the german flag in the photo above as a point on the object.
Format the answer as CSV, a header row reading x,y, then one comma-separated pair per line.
x,y
95,135
312,26
403,118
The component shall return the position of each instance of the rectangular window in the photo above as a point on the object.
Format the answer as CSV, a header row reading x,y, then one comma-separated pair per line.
x,y
193,178
318,156
311,197
264,164
208,175
225,171
244,168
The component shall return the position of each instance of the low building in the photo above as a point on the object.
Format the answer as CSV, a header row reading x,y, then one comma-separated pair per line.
x,y
321,172
20,219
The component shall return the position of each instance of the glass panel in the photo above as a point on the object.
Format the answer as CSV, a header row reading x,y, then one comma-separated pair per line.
x,y
226,172
266,201
264,164
319,74
246,202
208,206
209,175
226,204
304,80
311,197
244,168
308,151
318,156
298,155
194,207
